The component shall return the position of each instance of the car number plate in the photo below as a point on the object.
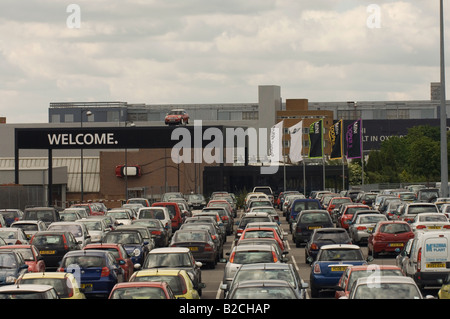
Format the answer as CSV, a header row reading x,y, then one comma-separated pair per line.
x,y
435,265
86,287
314,227
434,227
47,252
193,248
396,245
338,268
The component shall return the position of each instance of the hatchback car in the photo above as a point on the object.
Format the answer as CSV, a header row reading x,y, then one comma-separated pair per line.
x,y
430,222
177,117
97,228
179,258
30,227
12,266
11,215
263,232
34,292
200,242
132,241
361,227
346,212
97,271
31,256
159,234
79,231
306,222
13,236
330,264
53,245
325,236
65,284
263,289
251,218
142,290
389,237
178,280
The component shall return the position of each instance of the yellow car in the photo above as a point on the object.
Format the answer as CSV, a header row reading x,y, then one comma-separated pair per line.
x,y
64,283
178,280
444,292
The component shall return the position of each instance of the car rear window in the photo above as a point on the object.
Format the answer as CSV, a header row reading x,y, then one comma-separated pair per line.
x,y
259,234
394,228
175,282
152,213
422,209
252,257
48,240
315,218
57,283
85,261
299,206
340,254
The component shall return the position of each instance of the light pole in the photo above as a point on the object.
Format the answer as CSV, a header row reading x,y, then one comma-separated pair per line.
x,y
443,112
88,113
131,124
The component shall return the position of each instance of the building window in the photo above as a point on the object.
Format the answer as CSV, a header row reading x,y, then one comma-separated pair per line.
x,y
56,118
112,116
68,118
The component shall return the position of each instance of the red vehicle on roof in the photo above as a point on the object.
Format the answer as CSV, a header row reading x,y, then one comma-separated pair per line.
x,y
121,256
177,116
353,273
31,256
347,214
389,237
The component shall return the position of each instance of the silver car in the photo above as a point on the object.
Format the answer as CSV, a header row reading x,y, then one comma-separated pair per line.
x,y
360,229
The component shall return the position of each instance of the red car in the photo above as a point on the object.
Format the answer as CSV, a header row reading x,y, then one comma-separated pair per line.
x,y
389,237
92,210
177,116
174,211
348,212
142,290
353,273
121,256
31,256
336,202
263,232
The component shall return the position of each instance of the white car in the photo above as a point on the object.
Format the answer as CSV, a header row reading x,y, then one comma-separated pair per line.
x,y
430,222
161,213
30,227
122,216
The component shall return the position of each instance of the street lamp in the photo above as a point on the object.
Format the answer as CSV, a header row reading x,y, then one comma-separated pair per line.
x,y
88,113
443,113
131,124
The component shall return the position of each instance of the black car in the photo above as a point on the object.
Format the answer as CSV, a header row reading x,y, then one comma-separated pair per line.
x,y
325,236
160,234
47,214
306,222
53,245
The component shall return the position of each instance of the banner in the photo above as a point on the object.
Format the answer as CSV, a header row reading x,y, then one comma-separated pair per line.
x,y
336,136
316,139
276,140
295,150
353,139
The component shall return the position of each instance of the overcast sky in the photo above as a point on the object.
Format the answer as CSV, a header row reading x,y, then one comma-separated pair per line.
x,y
211,51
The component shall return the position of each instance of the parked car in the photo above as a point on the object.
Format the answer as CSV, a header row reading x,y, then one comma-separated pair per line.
x,y
251,218
30,227
215,235
132,241
11,215
196,201
430,222
122,216
34,292
324,236
360,229
174,212
300,205
270,271
330,264
79,230
31,256
201,244
177,116
53,245
12,266
179,258
161,213
121,255
225,216
305,223
389,237
65,284
142,290
47,214
263,232
158,232
346,212
97,271
263,289
13,236
178,280
353,273
409,211
81,211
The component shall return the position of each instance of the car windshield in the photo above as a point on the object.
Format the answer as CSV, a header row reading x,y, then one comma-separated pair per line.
x,y
253,257
372,271
123,238
394,228
387,291
7,261
58,283
340,254
175,282
85,261
139,293
314,218
264,293
265,274
167,260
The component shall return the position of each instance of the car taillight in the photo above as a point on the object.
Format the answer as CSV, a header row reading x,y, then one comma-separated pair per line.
x,y
314,246
60,269
208,248
225,218
419,259
317,269
275,258
239,231
65,243
361,228
446,226
232,257
105,272
18,242
420,227
70,292
156,232
184,285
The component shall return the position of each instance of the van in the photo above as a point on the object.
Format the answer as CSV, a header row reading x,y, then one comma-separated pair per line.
x,y
47,214
161,213
174,212
427,258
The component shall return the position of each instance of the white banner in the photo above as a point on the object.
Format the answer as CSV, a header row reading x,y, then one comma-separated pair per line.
x,y
276,140
295,151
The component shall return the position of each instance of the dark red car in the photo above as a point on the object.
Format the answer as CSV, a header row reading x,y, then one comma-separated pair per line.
x,y
31,256
177,116
348,212
121,256
389,237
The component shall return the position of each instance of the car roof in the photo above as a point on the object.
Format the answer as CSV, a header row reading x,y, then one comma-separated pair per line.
x,y
240,248
266,266
47,274
260,283
87,252
337,246
167,250
160,271
373,267
386,279
25,287
127,284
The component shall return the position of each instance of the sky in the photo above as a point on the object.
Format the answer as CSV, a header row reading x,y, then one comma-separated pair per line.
x,y
211,51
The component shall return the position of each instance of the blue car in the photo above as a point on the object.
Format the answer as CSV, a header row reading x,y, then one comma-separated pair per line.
x,y
97,271
12,265
133,242
303,204
330,264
